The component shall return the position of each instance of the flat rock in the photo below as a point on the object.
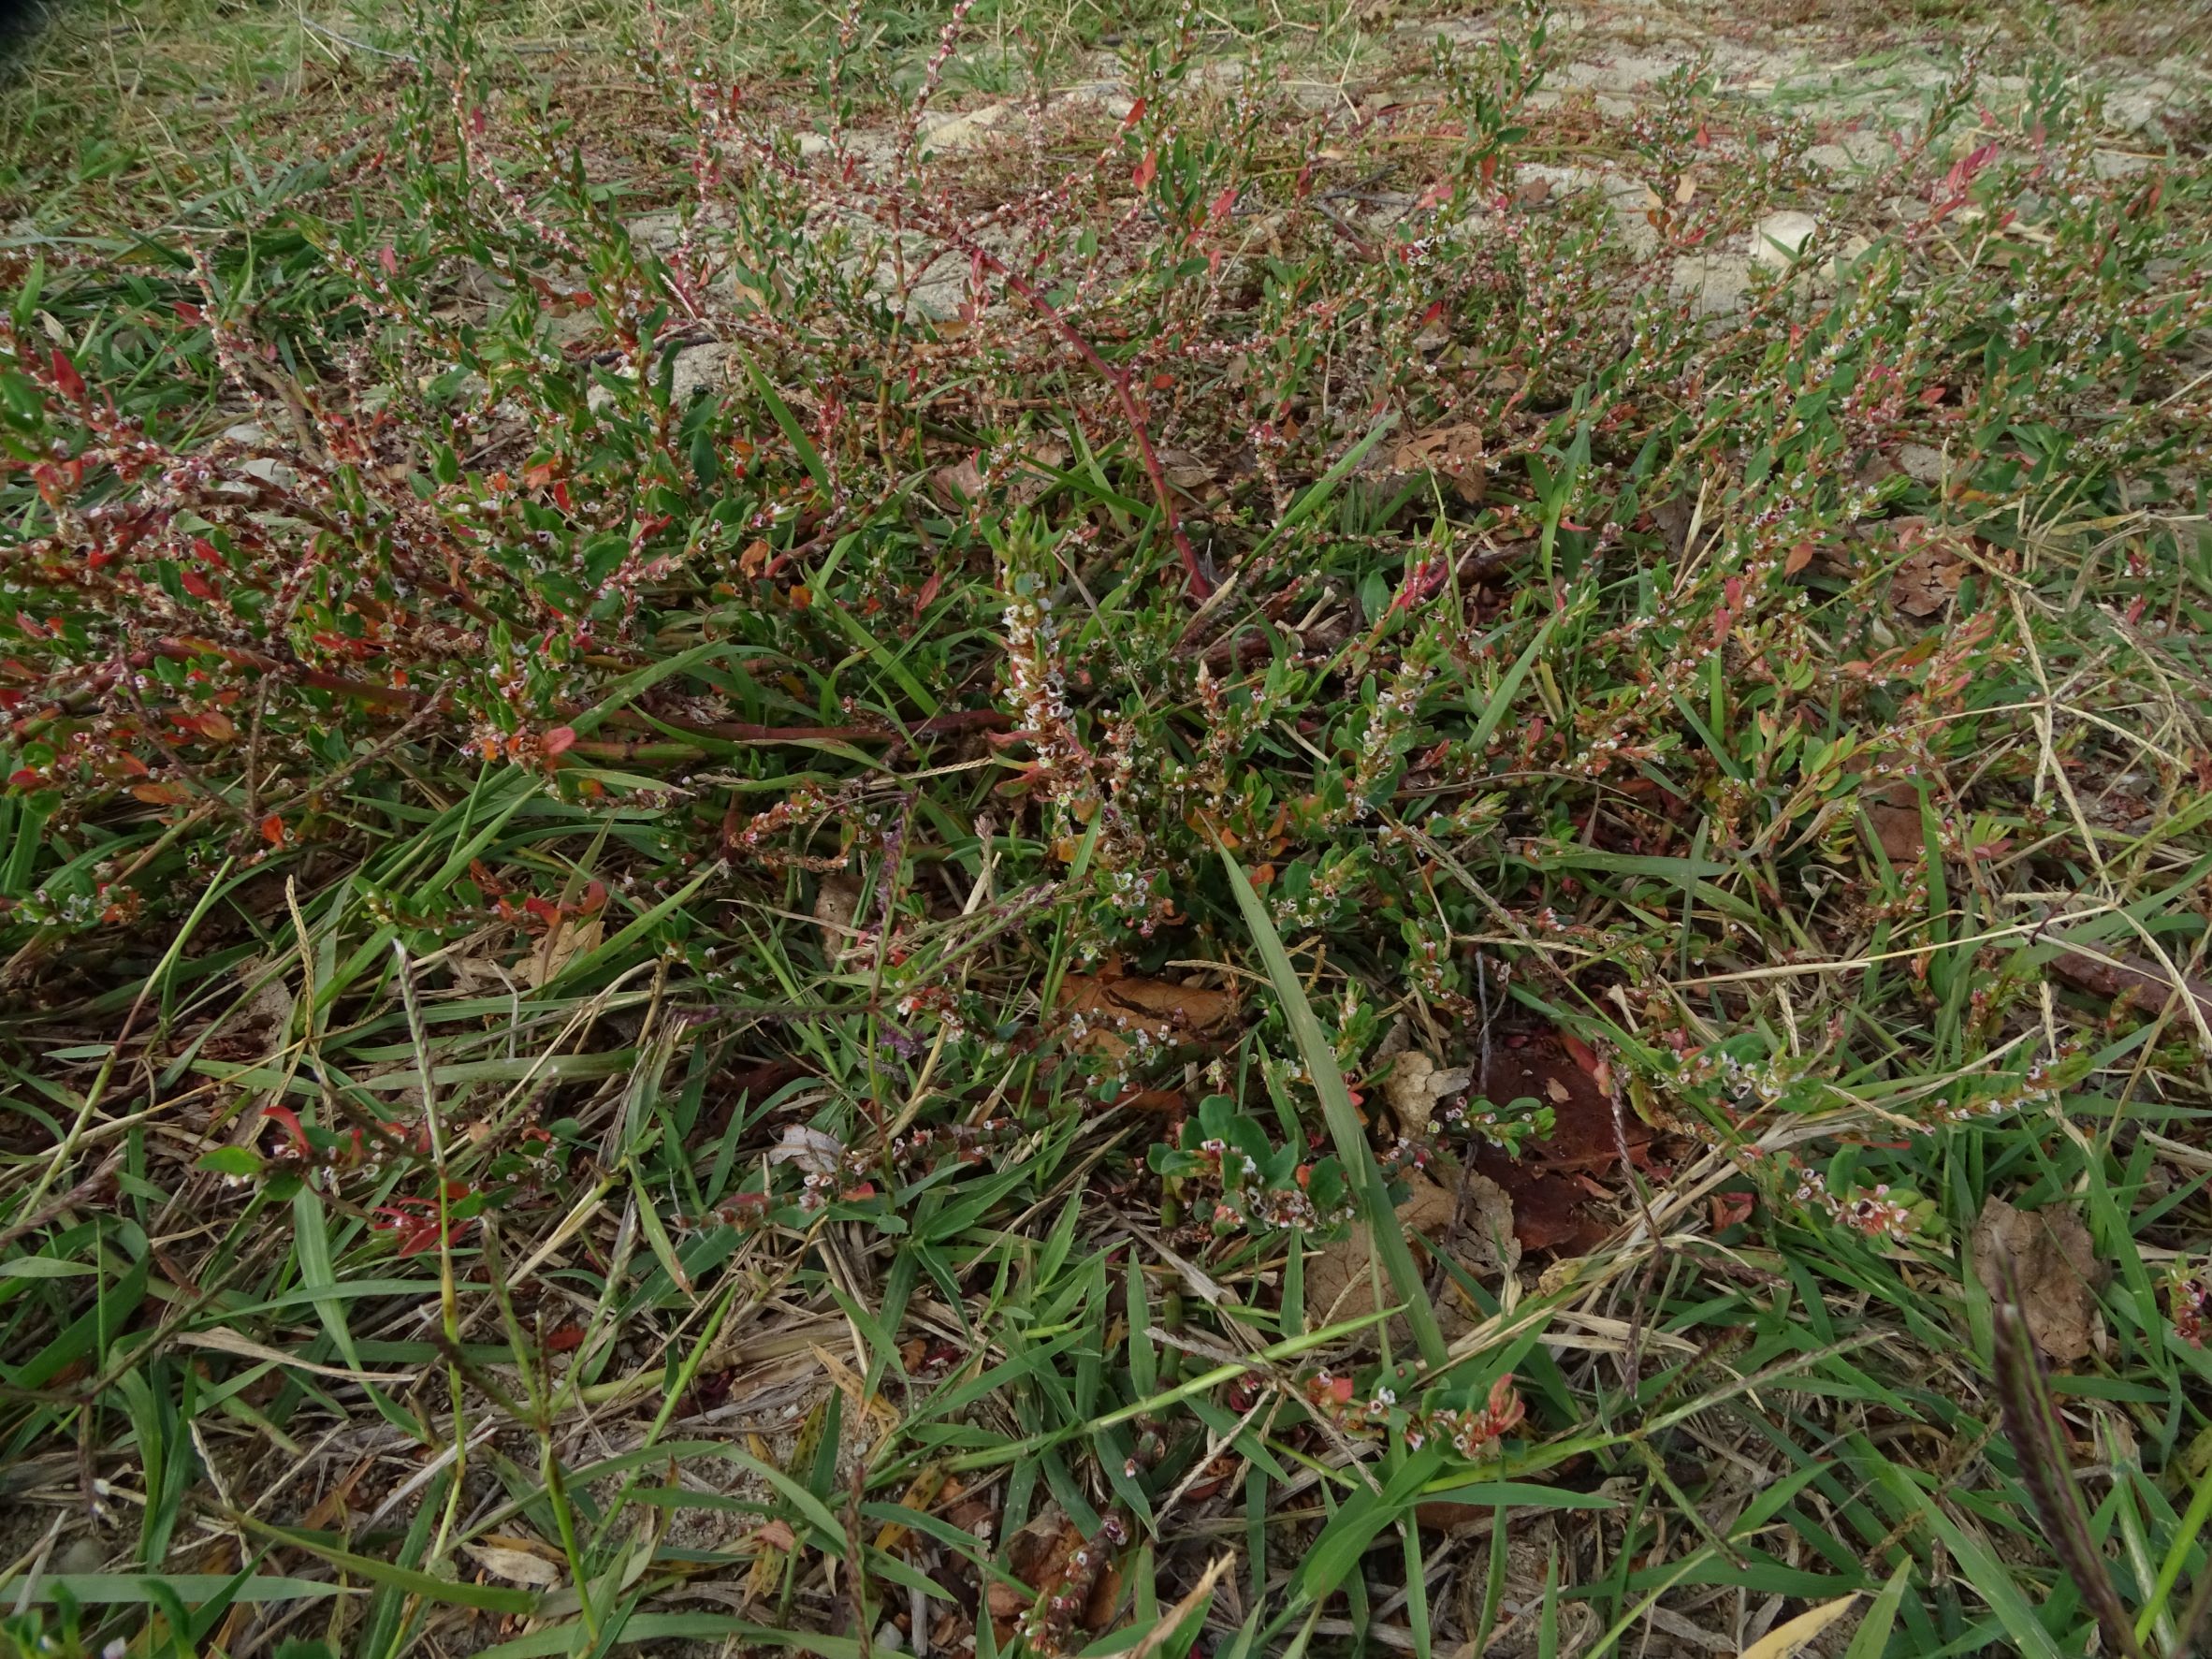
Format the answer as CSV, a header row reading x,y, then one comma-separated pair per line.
x,y
696,368
1777,240
1716,283
1108,97
1920,461
948,134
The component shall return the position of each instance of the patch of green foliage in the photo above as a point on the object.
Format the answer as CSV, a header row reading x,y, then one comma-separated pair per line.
x,y
583,668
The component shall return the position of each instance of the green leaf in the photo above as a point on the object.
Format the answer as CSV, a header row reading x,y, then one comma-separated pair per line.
x,y
1345,1126
45,1267
1870,1640
490,1598
144,1588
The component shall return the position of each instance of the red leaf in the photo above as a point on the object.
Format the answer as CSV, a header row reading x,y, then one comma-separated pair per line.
x,y
197,585
390,260
1146,170
272,830
560,739
924,599
67,377
1135,115
1964,169
289,1121
413,1221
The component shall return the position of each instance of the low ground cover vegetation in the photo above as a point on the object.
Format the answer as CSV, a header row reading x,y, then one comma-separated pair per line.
x,y
991,830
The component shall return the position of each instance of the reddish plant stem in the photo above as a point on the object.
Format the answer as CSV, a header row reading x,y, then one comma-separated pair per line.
x,y
1126,396
313,679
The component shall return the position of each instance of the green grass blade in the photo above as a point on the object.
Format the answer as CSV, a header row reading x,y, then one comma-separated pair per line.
x,y
1344,1127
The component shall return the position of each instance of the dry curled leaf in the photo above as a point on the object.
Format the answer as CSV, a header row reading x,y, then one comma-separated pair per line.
x,y
1930,578
1453,452
837,900
1184,468
1415,1082
1109,1012
569,938
1340,1278
1788,1640
2116,976
815,1153
2045,1258
516,1565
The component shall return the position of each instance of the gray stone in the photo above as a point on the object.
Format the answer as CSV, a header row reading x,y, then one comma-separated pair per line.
x,y
1108,97
1716,283
2137,105
1921,462
696,368
949,135
1777,240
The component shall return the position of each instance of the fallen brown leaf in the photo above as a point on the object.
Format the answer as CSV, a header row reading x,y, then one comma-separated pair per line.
x,y
2109,976
1929,579
1898,828
2046,1258
959,484
1553,1208
1453,452
1115,1008
568,939
837,900
1340,1285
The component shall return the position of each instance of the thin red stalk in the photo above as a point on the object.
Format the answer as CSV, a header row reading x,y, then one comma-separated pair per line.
x,y
1119,380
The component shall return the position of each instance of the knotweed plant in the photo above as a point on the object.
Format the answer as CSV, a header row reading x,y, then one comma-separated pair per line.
x,y
581,674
